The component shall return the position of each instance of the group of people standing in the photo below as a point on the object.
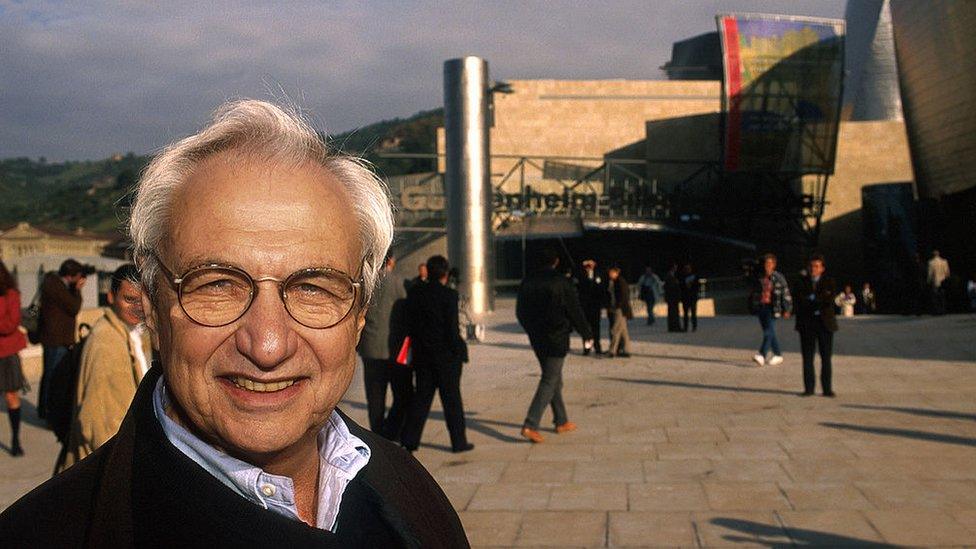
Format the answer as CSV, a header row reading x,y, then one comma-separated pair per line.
x,y
771,299
612,294
411,343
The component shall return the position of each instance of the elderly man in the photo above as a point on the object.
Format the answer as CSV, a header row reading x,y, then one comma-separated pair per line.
x,y
258,249
115,359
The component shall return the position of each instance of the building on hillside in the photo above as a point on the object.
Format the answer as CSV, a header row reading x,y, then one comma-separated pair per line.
x,y
30,251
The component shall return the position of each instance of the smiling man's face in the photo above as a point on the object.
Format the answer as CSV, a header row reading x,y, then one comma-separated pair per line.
x,y
264,383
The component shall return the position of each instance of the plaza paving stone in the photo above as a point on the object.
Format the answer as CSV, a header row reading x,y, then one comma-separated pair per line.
x,y
689,444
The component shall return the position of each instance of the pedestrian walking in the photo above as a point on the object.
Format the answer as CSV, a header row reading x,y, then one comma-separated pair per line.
x,y
382,337
846,301
672,295
689,298
816,323
593,298
12,340
60,303
651,290
937,273
769,300
438,354
619,312
548,309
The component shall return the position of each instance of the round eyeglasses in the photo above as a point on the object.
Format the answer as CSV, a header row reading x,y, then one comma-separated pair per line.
x,y
216,295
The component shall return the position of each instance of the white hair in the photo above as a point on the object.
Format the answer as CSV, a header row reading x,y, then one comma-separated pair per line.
x,y
280,133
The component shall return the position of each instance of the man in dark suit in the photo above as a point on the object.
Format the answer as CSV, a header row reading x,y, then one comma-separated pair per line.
x,y
593,299
816,323
378,346
438,352
548,309
60,303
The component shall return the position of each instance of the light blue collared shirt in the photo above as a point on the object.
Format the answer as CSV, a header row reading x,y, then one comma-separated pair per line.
x,y
341,456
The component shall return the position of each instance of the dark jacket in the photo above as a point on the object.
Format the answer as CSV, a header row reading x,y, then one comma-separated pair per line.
x,y
620,298
689,288
672,288
549,309
59,307
432,324
139,490
384,329
781,300
593,293
818,312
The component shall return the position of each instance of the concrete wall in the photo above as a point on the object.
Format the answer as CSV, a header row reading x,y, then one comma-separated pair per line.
x,y
868,153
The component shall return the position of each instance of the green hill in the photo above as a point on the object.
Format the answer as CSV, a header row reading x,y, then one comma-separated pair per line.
x,y
94,194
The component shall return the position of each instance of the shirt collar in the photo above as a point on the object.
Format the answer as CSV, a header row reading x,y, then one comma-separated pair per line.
x,y
341,456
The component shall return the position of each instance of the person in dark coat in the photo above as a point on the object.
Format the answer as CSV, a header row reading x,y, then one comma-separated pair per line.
x,y
618,312
689,298
438,353
593,299
60,303
548,309
378,346
672,295
258,248
816,323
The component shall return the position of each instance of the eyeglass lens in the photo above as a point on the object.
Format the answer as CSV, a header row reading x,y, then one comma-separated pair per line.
x,y
218,296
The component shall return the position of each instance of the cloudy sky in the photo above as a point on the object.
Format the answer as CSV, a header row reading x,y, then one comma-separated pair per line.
x,y
86,80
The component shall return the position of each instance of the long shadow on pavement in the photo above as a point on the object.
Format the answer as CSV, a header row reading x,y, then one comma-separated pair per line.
x,y
915,411
906,433
475,424
766,534
703,386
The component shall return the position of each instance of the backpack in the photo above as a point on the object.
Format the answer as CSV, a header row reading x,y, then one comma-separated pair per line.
x,y
63,388
30,317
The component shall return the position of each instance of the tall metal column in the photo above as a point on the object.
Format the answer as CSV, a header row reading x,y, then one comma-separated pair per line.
x,y
467,183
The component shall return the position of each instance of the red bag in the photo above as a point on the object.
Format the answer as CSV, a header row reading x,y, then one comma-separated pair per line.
x,y
405,356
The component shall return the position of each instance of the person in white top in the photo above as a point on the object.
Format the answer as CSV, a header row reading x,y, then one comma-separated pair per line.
x,y
846,301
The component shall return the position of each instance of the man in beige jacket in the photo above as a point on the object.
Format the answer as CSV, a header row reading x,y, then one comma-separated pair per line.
x,y
116,356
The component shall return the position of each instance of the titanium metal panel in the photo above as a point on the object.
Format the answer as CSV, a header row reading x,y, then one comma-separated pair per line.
x,y
871,90
936,47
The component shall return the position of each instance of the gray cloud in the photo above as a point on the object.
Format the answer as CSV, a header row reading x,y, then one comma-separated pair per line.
x,y
87,82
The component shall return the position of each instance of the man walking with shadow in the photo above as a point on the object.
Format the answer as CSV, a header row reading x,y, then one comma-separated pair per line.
x,y
548,309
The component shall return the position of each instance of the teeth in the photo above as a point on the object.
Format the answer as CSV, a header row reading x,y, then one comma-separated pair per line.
x,y
259,387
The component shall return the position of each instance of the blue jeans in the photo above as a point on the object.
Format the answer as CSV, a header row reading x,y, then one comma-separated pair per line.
x,y
52,355
768,322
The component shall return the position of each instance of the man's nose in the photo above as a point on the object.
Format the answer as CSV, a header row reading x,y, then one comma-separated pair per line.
x,y
265,335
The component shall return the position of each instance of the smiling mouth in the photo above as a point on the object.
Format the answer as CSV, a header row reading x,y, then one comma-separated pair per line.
x,y
258,387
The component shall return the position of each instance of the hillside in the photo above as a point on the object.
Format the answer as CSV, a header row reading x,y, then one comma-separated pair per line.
x,y
93,194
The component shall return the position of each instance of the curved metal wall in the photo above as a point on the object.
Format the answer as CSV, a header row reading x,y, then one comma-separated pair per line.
x,y
871,90
936,48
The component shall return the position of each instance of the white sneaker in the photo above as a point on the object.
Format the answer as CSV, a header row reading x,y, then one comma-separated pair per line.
x,y
760,360
776,360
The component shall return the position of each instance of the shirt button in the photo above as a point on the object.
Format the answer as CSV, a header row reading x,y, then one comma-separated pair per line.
x,y
268,490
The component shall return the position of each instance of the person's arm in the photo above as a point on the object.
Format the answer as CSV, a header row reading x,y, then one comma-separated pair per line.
x,y
453,323
575,313
10,313
106,388
787,304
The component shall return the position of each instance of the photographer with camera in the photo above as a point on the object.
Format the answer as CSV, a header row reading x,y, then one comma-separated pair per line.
x,y
60,303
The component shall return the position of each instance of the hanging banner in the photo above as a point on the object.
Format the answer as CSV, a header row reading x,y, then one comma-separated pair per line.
x,y
782,88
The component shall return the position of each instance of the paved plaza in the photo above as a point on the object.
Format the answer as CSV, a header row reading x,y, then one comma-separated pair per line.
x,y
688,443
